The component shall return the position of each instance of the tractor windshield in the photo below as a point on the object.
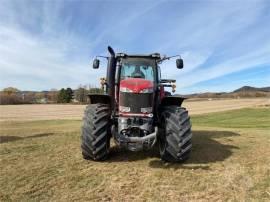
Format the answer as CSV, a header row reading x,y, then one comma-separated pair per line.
x,y
137,69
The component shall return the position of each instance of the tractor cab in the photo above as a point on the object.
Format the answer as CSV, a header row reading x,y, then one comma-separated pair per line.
x,y
137,79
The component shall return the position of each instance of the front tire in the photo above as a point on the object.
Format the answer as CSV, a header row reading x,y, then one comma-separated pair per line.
x,y
95,134
174,134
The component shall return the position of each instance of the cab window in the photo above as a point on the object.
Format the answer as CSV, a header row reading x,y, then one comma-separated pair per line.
x,y
137,71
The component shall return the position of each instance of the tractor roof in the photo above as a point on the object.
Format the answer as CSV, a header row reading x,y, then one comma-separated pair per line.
x,y
150,56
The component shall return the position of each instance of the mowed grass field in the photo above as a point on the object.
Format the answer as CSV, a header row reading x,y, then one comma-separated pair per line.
x,y
41,161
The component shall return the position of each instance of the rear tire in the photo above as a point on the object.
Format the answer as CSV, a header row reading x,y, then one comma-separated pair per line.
x,y
95,134
174,134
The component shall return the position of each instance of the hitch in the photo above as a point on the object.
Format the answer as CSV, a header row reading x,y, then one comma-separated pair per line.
x,y
150,137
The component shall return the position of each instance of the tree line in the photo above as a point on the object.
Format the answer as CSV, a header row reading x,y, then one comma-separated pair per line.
x,y
13,95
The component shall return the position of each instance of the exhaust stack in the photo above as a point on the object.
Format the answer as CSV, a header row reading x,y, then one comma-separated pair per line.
x,y
111,75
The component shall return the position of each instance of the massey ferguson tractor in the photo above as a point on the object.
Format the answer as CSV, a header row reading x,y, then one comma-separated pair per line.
x,y
135,110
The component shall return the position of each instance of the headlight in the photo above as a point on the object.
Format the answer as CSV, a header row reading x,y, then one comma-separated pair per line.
x,y
124,109
125,90
146,110
147,90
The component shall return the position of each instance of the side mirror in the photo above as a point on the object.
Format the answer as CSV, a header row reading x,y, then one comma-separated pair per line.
x,y
96,64
179,63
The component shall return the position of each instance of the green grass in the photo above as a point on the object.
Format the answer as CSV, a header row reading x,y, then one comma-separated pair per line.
x,y
243,118
41,161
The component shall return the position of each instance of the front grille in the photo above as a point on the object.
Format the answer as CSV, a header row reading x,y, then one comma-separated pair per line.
x,y
136,101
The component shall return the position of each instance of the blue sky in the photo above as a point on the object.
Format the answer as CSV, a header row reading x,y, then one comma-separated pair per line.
x,y
51,44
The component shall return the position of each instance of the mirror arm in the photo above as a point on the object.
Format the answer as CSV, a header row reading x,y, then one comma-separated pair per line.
x,y
101,56
168,58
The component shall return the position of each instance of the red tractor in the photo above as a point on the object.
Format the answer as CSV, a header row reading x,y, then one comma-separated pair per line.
x,y
136,111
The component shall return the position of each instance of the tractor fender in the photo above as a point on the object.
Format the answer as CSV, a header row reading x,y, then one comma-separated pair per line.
x,y
99,98
172,100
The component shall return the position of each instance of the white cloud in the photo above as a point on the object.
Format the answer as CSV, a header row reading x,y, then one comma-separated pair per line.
x,y
45,63
224,31
250,60
39,48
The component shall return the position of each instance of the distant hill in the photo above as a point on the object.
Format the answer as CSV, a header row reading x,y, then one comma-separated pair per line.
x,y
243,92
251,89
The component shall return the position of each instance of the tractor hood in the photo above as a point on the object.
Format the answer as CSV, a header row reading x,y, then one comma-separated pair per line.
x,y
136,85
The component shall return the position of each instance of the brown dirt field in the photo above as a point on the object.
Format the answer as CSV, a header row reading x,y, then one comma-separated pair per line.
x,y
208,106
54,111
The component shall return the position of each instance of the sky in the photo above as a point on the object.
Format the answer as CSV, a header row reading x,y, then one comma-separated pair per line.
x,y
51,44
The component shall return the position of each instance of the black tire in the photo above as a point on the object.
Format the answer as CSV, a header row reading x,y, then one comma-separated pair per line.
x,y
95,134
174,134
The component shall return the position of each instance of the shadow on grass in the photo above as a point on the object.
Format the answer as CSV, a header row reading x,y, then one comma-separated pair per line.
x,y
206,149
118,154
4,139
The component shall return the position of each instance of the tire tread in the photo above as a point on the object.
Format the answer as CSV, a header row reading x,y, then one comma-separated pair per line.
x,y
95,132
178,137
